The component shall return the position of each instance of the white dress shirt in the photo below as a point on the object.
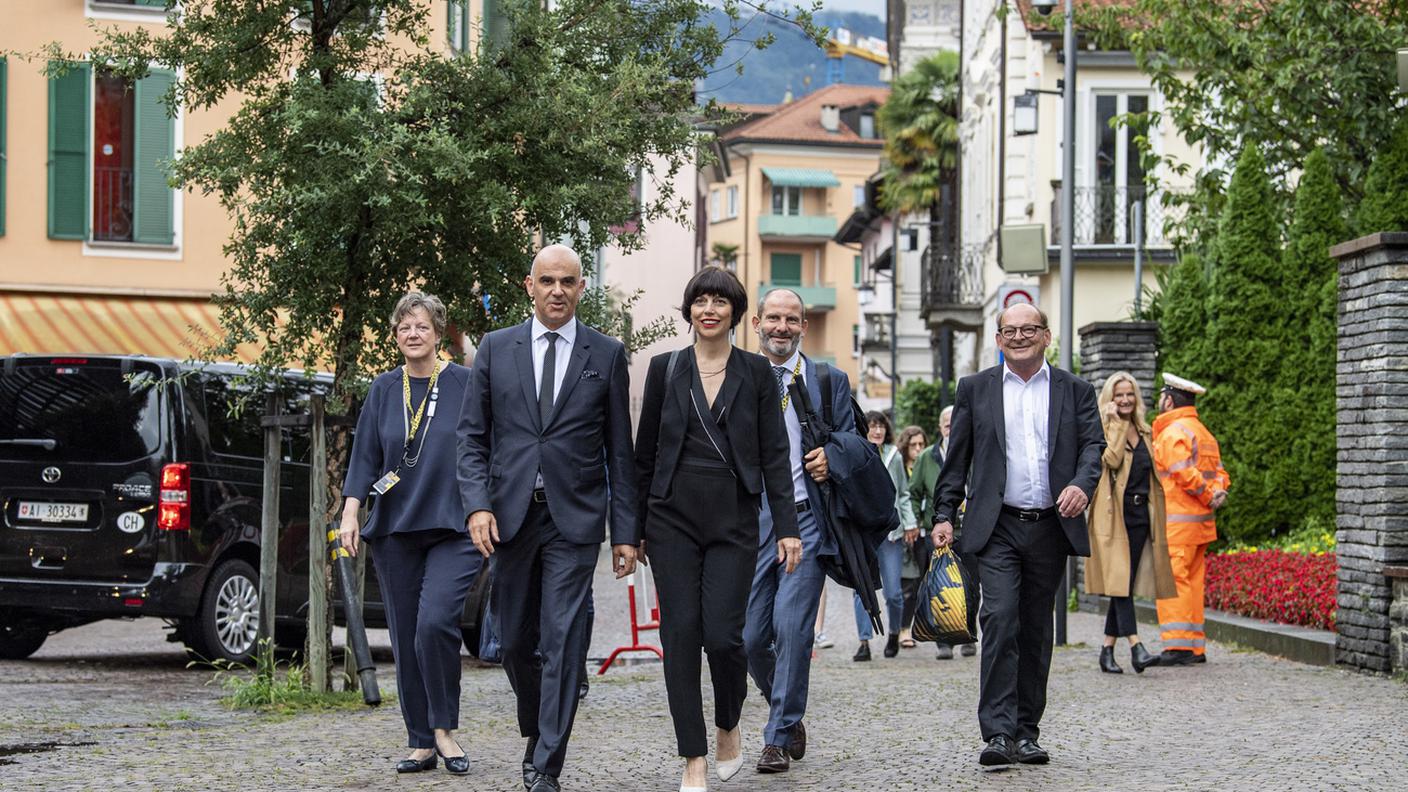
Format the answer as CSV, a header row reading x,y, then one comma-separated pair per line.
x,y
566,337
794,425
1026,406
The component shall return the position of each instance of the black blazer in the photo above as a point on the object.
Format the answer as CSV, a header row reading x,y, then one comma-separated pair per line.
x,y
978,442
752,420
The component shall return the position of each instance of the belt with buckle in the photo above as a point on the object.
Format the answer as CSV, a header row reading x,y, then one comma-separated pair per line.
x,y
1030,515
804,505
1138,498
540,496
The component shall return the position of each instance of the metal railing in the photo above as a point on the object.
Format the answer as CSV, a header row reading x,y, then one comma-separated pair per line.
x,y
112,204
1104,215
946,282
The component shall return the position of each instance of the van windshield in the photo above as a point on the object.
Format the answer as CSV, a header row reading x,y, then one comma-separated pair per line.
x,y
78,411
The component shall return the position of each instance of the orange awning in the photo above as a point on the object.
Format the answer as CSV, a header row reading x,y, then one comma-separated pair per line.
x,y
49,324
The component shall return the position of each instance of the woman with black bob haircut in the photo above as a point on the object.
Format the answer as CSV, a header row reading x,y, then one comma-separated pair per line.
x,y
711,435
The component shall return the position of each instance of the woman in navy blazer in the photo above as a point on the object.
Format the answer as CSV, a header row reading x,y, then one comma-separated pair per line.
x,y
711,441
424,560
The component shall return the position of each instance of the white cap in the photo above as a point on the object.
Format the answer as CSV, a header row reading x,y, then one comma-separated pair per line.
x,y
1179,383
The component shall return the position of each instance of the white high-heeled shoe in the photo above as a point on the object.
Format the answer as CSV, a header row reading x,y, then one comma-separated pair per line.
x,y
729,769
684,788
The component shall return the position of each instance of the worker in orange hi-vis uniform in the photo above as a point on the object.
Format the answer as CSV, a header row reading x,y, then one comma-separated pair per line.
x,y
1189,464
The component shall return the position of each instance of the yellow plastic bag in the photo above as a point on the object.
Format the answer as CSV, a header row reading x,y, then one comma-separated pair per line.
x,y
948,601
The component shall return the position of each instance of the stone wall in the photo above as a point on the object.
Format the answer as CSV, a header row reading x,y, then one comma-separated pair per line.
x,y
1398,619
1371,493
1107,347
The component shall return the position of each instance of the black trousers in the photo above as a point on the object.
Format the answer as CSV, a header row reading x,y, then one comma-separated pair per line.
x,y
1119,616
424,576
702,540
1021,567
541,585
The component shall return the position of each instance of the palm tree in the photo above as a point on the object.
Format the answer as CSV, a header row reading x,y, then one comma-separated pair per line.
x,y
920,124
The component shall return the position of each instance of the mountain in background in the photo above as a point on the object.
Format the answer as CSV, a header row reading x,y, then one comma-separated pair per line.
x,y
793,63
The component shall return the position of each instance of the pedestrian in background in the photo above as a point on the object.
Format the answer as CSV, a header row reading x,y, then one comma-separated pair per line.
x,y
1195,484
921,489
1128,541
711,435
891,552
404,451
912,444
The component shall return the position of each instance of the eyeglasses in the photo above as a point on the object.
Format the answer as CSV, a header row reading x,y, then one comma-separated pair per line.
x,y
1010,332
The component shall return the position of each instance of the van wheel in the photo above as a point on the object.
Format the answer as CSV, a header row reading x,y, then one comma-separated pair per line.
x,y
227,625
21,640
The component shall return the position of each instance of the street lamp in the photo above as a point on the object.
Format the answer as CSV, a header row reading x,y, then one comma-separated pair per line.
x,y
1068,193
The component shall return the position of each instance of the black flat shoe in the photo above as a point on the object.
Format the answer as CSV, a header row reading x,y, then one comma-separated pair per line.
x,y
1028,752
530,773
455,765
892,646
1107,661
416,765
1140,658
1176,657
999,752
863,653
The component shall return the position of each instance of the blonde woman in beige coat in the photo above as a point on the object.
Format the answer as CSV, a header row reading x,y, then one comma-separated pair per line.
x,y
1128,540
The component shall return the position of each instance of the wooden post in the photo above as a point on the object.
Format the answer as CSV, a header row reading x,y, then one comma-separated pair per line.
x,y
269,523
318,661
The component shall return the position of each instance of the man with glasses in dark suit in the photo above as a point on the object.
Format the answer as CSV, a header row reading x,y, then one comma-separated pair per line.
x,y
1024,451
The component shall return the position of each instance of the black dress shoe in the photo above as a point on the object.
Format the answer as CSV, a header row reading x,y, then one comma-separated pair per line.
x,y
797,741
455,765
545,783
892,646
1140,658
998,752
1176,657
1200,658
530,773
773,760
1028,752
416,765
1108,664
863,653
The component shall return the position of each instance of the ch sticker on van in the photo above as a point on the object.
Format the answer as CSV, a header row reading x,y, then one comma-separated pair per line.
x,y
130,522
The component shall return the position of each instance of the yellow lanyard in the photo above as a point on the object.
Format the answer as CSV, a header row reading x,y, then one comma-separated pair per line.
x,y
787,393
420,411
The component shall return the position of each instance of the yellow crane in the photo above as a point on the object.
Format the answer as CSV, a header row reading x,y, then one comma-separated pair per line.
x,y
843,43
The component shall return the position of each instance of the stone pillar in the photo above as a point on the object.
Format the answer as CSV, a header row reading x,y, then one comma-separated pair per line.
x,y
1107,347
1371,405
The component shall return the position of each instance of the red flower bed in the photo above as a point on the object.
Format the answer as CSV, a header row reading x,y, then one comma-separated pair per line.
x,y
1290,588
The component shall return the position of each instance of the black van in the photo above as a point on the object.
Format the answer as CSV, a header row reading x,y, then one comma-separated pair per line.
x,y
129,489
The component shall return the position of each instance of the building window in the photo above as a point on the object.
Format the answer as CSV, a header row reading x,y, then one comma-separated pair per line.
x,y
867,126
856,279
732,201
786,269
116,191
1118,172
457,24
855,340
715,215
787,200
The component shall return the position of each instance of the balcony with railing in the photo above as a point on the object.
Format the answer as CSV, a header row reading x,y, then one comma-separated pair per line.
x,y
1104,216
951,289
816,297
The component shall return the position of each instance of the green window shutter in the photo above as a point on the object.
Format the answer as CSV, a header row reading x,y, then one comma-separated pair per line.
x,y
856,281
4,74
493,25
154,145
70,113
152,3
787,269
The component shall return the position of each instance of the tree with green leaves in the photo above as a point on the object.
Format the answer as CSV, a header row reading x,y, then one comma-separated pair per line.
x,y
1385,204
1246,351
1287,77
1183,318
919,403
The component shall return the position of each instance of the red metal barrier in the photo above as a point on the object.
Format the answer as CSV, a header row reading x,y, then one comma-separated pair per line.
x,y
637,627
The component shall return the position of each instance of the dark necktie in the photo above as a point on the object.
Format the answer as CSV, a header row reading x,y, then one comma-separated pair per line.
x,y
781,373
545,394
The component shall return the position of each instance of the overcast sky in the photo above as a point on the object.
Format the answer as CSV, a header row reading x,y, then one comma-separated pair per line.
x,y
876,7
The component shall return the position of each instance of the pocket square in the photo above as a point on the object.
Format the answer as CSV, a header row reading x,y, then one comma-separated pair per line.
x,y
590,374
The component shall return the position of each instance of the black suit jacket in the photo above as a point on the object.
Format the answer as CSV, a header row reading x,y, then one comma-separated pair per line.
x,y
584,451
978,443
752,419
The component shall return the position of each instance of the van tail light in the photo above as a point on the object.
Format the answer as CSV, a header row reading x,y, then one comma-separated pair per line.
x,y
174,511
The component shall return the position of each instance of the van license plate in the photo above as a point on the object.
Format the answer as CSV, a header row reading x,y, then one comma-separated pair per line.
x,y
54,512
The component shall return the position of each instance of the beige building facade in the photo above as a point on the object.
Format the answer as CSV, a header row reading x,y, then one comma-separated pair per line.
x,y
786,178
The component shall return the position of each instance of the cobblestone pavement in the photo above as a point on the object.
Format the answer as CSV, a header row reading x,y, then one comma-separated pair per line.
x,y
130,715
